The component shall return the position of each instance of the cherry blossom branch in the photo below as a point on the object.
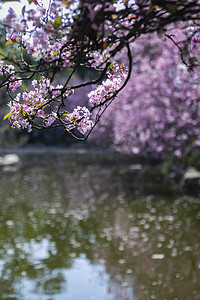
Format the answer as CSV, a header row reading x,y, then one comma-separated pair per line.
x,y
89,35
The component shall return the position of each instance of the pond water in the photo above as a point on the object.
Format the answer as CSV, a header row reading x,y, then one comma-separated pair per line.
x,y
80,225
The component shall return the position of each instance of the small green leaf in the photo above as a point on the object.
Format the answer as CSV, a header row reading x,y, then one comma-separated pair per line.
x,y
23,10
8,115
57,22
67,3
55,52
34,1
192,60
23,112
152,8
172,8
65,113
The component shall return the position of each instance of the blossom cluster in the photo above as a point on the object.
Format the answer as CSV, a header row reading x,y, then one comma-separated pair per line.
x,y
195,45
16,27
36,34
29,104
44,34
10,79
108,87
80,117
45,31
99,58
6,69
34,104
158,113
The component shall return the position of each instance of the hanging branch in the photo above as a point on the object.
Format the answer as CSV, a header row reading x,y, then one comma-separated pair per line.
x,y
86,34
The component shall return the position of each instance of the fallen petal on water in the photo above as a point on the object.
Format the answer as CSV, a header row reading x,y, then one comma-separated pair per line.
x,y
158,256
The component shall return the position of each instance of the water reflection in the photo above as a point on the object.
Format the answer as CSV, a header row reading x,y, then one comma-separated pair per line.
x,y
77,228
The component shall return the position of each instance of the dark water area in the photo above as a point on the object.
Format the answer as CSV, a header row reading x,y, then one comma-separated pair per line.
x,y
89,225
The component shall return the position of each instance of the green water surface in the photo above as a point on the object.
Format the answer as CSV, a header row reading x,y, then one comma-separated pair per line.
x,y
81,226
